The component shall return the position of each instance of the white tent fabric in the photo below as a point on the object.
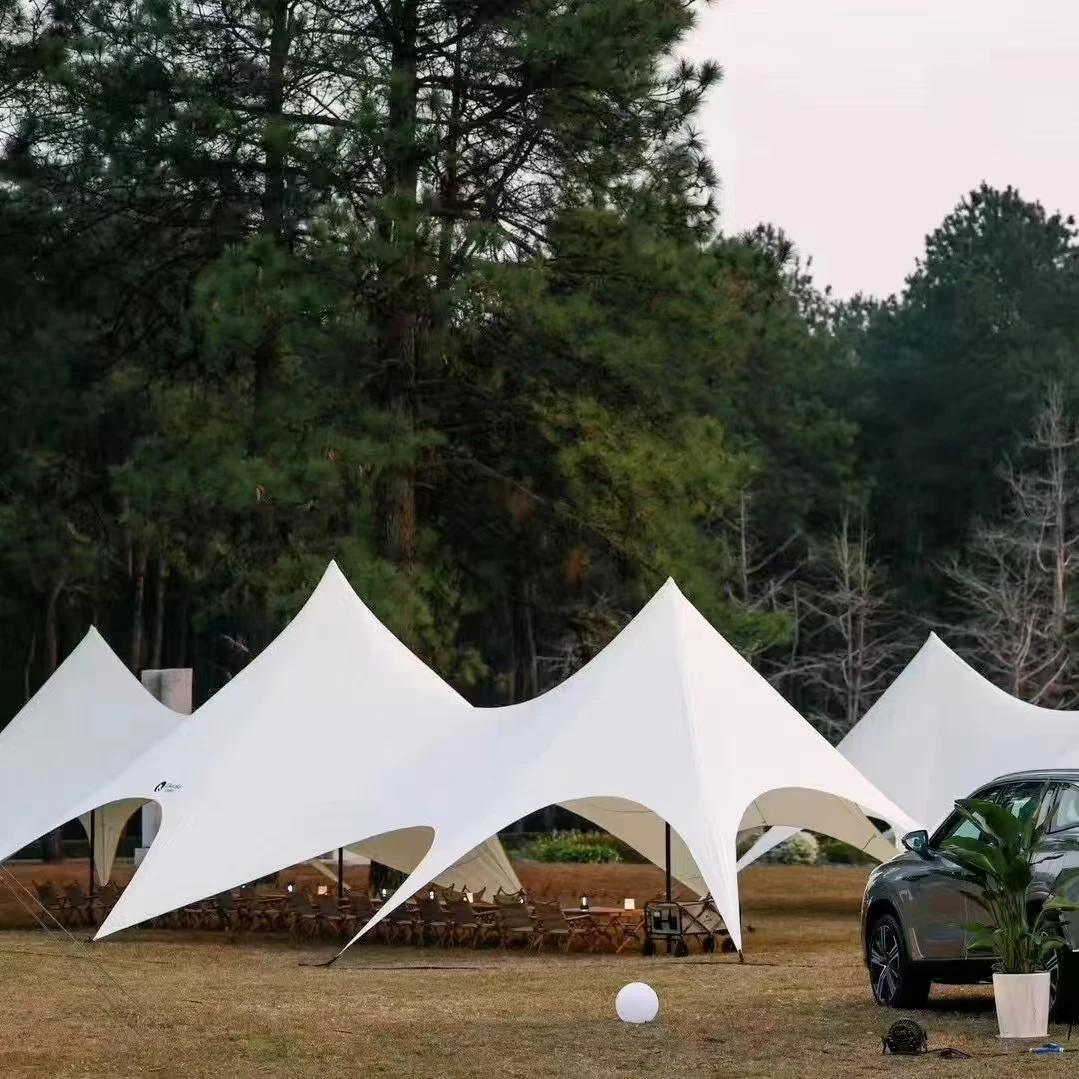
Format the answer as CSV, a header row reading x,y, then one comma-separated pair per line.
x,y
335,700
486,867
84,725
939,732
668,717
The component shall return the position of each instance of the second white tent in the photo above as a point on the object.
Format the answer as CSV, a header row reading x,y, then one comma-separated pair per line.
x,y
667,724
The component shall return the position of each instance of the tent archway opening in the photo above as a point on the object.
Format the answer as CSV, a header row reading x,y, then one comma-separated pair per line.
x,y
634,823
105,826
793,809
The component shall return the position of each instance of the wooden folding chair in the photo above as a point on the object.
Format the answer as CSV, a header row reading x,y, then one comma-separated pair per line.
x,y
56,905
514,923
202,915
466,925
329,919
399,926
552,924
80,906
301,915
108,895
230,916
433,922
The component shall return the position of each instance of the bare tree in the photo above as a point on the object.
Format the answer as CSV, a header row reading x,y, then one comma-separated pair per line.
x,y
850,646
593,625
761,582
1014,579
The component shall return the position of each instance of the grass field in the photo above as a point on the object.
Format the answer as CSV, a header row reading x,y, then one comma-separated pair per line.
x,y
191,1006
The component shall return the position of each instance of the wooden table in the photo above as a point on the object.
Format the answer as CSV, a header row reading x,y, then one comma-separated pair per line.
x,y
621,927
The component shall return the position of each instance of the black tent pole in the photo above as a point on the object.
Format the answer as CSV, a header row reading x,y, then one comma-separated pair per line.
x,y
93,829
340,873
667,859
667,868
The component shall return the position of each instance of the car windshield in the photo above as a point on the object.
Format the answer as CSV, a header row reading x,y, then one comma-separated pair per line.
x,y
1020,799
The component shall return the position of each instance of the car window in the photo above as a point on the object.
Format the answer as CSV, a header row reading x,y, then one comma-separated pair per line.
x,y
956,827
1022,800
1066,814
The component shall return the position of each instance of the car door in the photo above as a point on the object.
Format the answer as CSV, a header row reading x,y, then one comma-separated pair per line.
x,y
1058,850
938,909
1023,799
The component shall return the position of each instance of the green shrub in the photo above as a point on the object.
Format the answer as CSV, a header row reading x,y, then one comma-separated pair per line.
x,y
569,847
800,849
836,852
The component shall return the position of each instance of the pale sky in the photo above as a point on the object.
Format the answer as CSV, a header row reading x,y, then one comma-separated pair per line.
x,y
856,125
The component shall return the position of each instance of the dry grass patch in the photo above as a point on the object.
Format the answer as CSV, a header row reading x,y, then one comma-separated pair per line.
x,y
799,1007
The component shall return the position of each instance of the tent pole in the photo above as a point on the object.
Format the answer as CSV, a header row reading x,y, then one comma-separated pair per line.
x,y
93,830
340,873
667,868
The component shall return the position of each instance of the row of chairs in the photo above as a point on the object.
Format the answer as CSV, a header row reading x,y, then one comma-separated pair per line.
x,y
531,924
444,919
441,917
73,907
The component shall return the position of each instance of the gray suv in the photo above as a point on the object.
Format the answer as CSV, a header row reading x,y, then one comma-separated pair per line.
x,y
914,908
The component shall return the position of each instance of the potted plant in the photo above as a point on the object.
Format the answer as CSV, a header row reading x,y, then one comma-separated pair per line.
x,y
1026,942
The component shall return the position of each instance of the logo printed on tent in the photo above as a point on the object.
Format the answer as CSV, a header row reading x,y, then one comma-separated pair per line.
x,y
168,788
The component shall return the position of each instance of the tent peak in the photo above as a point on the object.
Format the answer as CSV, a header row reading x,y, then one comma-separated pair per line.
x,y
333,582
332,572
670,588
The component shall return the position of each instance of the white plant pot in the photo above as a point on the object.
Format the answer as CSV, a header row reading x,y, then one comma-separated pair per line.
x,y
1022,1004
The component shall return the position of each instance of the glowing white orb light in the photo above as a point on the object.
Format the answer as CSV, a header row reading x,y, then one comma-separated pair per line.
x,y
636,1003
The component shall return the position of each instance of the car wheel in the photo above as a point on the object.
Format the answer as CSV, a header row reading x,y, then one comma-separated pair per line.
x,y
895,982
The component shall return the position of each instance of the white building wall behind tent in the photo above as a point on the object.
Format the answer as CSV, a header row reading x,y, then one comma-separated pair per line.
x,y
940,731
79,731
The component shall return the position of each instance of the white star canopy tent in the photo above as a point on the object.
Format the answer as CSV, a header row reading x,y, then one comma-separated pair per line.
x,y
668,723
79,731
939,732
335,700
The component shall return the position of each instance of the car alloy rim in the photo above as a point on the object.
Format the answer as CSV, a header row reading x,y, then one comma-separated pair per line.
x,y
884,963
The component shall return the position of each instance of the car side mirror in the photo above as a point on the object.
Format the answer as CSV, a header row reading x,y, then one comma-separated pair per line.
x,y
917,842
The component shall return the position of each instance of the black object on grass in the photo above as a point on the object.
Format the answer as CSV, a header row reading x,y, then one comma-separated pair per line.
x,y
905,1037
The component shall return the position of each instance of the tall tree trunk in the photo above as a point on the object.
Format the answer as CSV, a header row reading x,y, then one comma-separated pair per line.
x,y
274,148
525,669
29,666
398,316
138,618
159,613
54,841
183,627
52,632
